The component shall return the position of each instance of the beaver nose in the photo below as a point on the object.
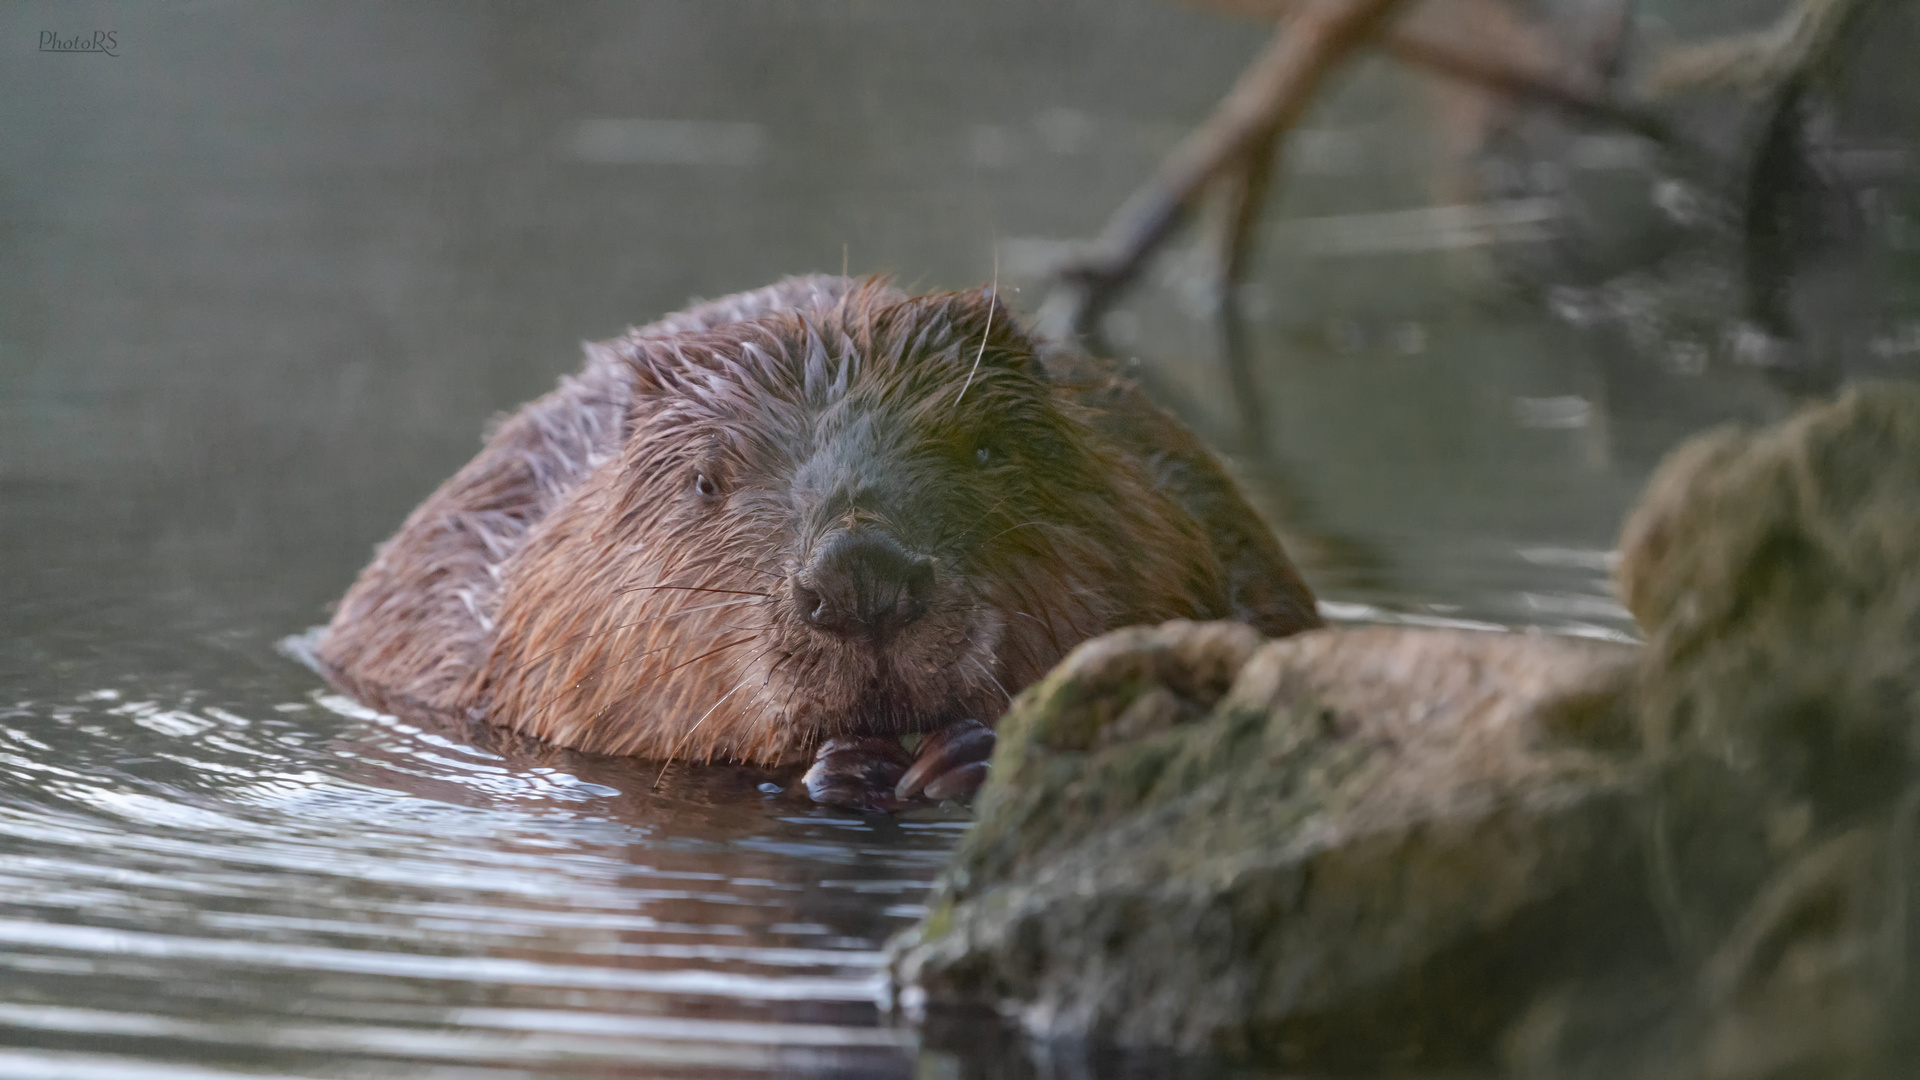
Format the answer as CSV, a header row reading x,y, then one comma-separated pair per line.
x,y
863,583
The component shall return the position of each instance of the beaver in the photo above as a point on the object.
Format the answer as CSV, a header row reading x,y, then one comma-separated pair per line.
x,y
805,520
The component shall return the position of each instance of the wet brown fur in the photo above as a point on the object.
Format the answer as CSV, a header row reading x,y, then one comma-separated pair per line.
x,y
614,571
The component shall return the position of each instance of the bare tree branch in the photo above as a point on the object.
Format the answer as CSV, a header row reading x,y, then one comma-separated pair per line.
x,y
1425,51
1269,98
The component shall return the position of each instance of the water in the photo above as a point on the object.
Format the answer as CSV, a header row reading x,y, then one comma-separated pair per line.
x,y
318,890
267,272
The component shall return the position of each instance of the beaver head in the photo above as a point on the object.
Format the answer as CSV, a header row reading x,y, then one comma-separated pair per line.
x,y
874,517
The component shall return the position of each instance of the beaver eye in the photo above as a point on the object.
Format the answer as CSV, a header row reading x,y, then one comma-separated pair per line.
x,y
983,456
705,485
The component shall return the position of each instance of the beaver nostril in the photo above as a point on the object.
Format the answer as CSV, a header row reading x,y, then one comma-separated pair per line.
x,y
810,604
917,588
864,583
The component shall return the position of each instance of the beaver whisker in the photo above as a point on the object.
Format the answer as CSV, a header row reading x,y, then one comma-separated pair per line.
x,y
777,663
749,567
989,674
993,294
675,751
693,588
683,559
1027,600
710,607
795,683
751,719
711,652
1022,525
555,700
1043,525
964,534
586,635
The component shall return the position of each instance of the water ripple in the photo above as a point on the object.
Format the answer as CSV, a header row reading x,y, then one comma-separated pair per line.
x,y
316,884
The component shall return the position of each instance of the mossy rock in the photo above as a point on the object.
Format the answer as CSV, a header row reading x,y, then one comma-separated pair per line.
x,y
1346,845
1777,575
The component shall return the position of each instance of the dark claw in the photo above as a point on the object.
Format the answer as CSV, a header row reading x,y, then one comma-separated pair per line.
x,y
857,774
952,762
958,783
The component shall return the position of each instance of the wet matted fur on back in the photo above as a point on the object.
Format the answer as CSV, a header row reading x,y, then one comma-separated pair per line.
x,y
616,570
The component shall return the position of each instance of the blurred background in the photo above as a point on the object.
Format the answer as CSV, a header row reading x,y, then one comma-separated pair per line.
x,y
267,270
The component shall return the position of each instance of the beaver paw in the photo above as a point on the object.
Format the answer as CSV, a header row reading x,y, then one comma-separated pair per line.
x,y
952,763
876,773
858,774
